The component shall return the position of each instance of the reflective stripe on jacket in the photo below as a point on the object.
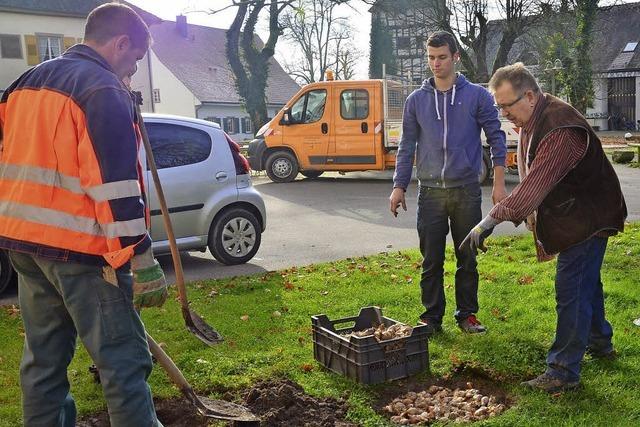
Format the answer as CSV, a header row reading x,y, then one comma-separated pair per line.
x,y
69,176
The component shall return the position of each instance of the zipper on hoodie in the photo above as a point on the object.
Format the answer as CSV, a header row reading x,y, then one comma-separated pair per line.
x,y
444,137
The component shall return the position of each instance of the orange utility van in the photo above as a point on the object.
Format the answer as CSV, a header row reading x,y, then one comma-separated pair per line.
x,y
343,126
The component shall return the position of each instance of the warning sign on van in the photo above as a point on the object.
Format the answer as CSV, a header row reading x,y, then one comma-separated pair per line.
x,y
393,131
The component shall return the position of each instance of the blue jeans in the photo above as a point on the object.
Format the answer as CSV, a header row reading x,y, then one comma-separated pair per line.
x,y
60,301
580,309
437,208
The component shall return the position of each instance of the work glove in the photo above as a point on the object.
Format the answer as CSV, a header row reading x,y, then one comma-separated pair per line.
x,y
477,235
149,283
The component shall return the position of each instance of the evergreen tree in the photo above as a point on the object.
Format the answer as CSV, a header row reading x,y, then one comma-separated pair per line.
x,y
381,45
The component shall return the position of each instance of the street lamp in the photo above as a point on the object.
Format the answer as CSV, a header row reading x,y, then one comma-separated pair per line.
x,y
553,68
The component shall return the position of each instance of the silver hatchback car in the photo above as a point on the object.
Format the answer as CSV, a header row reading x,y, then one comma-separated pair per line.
x,y
206,181
212,202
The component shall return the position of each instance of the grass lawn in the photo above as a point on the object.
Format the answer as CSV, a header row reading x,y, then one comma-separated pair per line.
x,y
266,323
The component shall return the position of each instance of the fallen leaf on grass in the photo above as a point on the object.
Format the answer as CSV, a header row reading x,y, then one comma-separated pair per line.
x,y
307,367
498,315
276,314
244,317
525,280
301,340
12,310
289,286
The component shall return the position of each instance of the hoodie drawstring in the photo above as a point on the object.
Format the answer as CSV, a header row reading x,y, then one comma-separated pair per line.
x,y
435,95
453,96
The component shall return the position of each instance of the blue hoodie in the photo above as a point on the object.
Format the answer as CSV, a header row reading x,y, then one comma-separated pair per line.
x,y
446,128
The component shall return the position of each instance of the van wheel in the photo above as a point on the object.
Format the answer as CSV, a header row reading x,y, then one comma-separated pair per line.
x,y
235,236
311,173
7,274
282,166
485,167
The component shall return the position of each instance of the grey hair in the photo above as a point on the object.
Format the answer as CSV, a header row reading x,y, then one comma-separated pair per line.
x,y
517,74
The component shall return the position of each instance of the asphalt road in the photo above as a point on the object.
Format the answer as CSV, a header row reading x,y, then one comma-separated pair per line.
x,y
339,216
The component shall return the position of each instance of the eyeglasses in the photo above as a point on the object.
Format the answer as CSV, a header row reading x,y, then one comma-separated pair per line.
x,y
511,104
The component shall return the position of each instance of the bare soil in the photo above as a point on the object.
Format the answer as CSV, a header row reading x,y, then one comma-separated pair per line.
x,y
284,403
275,402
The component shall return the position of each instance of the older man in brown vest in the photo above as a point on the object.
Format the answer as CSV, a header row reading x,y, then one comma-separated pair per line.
x,y
570,197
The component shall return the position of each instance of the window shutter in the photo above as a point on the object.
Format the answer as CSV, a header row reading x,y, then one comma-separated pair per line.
x,y
236,125
32,50
68,42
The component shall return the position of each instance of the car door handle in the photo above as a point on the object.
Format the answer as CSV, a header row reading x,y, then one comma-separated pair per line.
x,y
324,127
364,127
221,176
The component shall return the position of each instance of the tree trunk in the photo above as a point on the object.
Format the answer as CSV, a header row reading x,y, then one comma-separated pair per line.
x,y
580,74
250,66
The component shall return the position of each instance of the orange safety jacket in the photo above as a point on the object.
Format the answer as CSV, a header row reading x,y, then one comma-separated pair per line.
x,y
70,179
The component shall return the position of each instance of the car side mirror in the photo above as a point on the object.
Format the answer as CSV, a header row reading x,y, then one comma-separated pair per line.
x,y
286,117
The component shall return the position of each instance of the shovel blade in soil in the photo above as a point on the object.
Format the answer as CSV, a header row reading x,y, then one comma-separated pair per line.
x,y
198,327
222,410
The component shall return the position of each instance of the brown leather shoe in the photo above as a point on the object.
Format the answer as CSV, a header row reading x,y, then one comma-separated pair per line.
x,y
608,354
550,384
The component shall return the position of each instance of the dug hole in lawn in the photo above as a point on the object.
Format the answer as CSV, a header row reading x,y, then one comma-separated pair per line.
x,y
374,349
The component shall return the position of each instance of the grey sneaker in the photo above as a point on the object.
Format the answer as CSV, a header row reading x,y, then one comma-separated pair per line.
x,y
471,325
431,325
607,354
550,384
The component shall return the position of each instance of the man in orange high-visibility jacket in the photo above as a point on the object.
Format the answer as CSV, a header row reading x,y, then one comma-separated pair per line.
x,y
73,218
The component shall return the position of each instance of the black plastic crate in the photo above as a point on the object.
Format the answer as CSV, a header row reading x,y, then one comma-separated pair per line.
x,y
365,359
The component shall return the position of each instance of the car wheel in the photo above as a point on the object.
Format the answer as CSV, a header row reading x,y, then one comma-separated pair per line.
x,y
282,166
6,272
485,167
235,236
311,173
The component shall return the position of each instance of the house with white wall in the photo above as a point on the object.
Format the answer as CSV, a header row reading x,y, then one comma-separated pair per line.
x,y
187,73
32,31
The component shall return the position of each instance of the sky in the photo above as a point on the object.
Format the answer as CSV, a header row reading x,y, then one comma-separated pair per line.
x,y
196,12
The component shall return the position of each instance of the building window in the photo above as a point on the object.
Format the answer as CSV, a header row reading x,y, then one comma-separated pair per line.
x,y
156,96
231,125
214,120
247,126
354,104
49,47
10,47
630,47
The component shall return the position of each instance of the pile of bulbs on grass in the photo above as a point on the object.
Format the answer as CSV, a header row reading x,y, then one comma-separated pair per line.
x,y
443,404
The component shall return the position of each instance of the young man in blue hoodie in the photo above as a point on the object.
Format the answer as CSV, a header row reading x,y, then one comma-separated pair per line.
x,y
441,130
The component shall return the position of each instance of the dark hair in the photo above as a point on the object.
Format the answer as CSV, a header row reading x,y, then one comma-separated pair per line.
x,y
114,19
517,74
442,38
